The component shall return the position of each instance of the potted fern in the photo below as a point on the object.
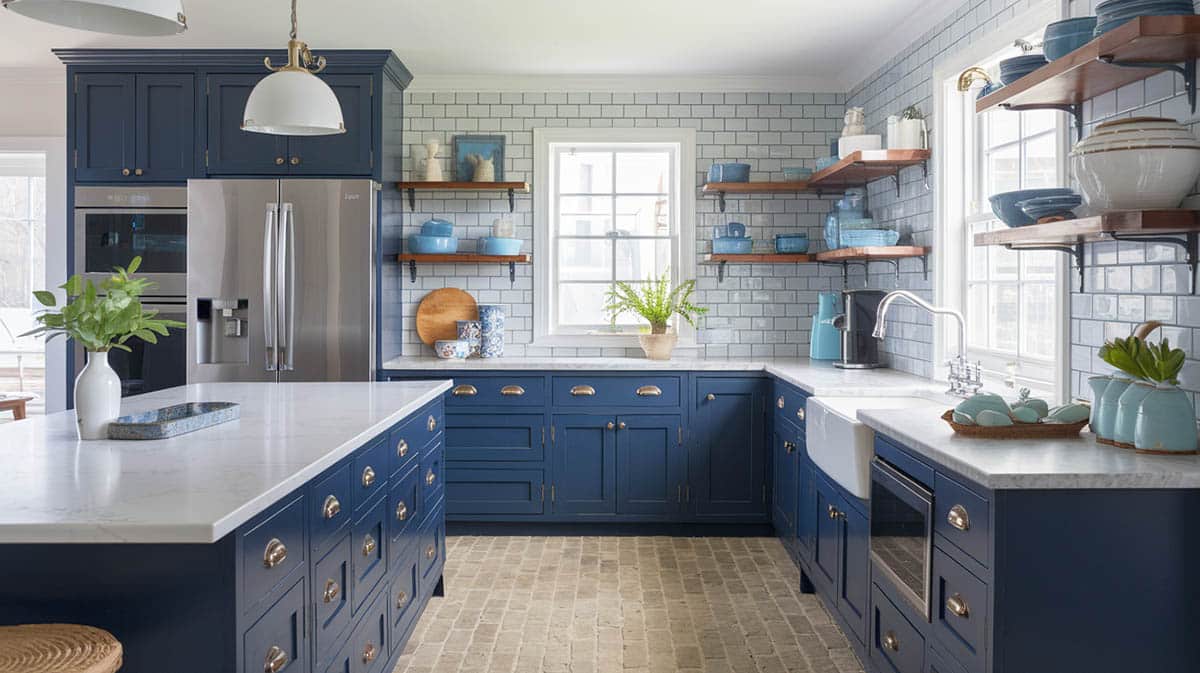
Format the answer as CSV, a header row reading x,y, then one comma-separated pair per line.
x,y
656,302
100,319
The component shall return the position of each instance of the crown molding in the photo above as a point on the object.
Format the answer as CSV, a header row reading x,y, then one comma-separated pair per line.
x,y
625,83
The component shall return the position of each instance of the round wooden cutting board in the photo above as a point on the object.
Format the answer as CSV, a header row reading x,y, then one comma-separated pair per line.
x,y
440,311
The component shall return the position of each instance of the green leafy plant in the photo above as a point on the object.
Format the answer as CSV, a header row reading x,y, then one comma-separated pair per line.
x,y
102,318
1165,363
655,301
1144,360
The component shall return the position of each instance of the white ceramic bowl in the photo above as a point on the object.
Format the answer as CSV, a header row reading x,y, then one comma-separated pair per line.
x,y
1136,179
850,144
1135,143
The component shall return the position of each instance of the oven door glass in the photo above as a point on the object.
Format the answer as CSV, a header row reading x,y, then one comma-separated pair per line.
x,y
112,238
901,530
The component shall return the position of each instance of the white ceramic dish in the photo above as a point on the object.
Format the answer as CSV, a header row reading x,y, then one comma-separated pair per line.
x,y
1136,179
848,145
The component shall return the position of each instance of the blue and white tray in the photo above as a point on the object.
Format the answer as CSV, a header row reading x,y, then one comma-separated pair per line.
x,y
173,420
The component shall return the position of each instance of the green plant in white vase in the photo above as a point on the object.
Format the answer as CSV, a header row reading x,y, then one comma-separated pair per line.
x,y
657,303
100,319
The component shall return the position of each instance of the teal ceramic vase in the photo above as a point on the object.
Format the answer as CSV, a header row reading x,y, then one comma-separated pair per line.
x,y
1128,405
1166,422
1098,384
1107,415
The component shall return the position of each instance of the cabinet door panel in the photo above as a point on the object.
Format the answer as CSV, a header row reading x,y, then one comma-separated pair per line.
x,y
729,475
855,570
493,490
585,469
346,153
104,126
826,540
783,490
806,505
650,464
280,634
166,135
232,151
494,437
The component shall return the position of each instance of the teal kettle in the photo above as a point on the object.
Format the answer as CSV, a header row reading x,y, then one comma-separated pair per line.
x,y
826,340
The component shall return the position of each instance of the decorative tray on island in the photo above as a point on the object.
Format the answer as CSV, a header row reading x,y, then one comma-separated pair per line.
x,y
174,420
1016,430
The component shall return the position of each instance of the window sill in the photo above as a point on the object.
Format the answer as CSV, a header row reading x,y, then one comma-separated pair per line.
x,y
601,341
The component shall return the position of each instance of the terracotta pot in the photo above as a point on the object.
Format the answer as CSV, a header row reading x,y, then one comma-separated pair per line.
x,y
658,346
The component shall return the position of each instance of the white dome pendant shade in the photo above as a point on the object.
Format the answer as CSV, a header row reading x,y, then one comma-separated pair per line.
x,y
120,17
292,100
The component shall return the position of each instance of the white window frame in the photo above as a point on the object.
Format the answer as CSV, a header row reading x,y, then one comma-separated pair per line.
x,y
955,165
683,252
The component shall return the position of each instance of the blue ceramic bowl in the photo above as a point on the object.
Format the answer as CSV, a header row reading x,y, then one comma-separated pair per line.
x,y
1057,47
1004,204
791,243
732,246
430,245
729,173
436,227
1079,24
735,230
1013,69
490,245
988,89
452,349
797,173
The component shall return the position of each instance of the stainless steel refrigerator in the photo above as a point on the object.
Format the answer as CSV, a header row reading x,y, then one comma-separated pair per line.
x,y
281,280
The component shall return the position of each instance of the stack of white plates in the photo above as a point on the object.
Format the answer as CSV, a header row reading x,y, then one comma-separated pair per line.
x,y
1137,164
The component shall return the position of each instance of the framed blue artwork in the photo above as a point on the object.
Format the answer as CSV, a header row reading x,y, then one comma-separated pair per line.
x,y
469,150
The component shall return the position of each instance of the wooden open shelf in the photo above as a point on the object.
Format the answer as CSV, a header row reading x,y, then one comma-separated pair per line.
x,y
790,187
890,252
760,258
510,188
1096,228
464,258
1085,74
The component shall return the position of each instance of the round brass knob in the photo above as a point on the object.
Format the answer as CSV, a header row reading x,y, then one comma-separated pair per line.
x,y
431,423
710,397
137,171
124,171
800,413
401,511
368,476
621,425
275,553
402,448
891,642
779,402
368,546
278,161
610,425
401,599
430,551
295,161
331,507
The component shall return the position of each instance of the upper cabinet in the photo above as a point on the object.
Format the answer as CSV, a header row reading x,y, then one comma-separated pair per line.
x,y
133,127
349,153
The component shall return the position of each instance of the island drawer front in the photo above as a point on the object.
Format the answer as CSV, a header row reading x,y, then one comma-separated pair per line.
x,y
956,590
432,479
788,402
433,546
497,391
331,598
279,635
941,663
368,643
368,546
414,434
403,602
330,507
271,549
896,646
962,517
474,436
369,472
404,515
622,391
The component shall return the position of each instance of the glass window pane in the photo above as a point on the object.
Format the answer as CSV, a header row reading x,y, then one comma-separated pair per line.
x,y
1037,121
1002,264
1003,171
585,172
977,313
1002,127
581,305
977,255
15,271
643,172
37,205
1040,266
640,259
631,322
1037,320
584,259
1041,167
14,196
643,216
1003,318
584,215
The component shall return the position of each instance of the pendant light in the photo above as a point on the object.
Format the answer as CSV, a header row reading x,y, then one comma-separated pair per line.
x,y
120,17
292,100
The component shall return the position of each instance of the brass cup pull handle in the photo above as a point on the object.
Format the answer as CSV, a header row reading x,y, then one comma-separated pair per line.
x,y
369,545
957,518
710,397
430,477
275,553
402,448
401,599
891,642
622,425
401,511
368,476
430,551
779,402
137,171
610,425
512,391
278,161
465,390
800,413
124,171
431,423
649,391
331,591
958,605
276,660
582,391
331,507
370,652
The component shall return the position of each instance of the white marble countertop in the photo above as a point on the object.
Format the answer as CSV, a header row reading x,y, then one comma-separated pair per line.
x,y
1027,464
194,488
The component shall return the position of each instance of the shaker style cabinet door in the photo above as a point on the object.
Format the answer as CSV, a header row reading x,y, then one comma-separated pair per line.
x,y
165,136
230,150
855,570
651,464
348,153
104,144
585,471
784,451
728,464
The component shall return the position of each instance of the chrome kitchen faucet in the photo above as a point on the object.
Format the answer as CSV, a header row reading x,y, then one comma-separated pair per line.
x,y
966,378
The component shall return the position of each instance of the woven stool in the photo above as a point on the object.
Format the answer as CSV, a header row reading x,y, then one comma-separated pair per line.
x,y
58,648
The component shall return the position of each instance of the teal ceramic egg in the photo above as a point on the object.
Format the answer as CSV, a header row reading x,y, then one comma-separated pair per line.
x,y
992,419
962,419
1069,413
1038,406
983,401
1025,414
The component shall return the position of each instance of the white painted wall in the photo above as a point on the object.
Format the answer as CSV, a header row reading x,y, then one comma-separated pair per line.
x,y
35,102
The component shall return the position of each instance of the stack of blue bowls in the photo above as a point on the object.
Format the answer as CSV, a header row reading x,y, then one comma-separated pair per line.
x,y
1064,37
1013,69
1112,13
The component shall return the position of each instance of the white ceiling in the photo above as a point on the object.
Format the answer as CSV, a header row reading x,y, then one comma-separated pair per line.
x,y
823,45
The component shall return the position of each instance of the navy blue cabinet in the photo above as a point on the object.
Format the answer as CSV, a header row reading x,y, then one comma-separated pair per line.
x,y
806,505
785,474
651,464
104,126
491,490
827,535
854,568
585,465
133,128
165,131
349,153
727,464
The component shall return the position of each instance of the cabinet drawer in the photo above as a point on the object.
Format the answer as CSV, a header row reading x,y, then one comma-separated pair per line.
x,y
505,391
960,609
369,472
895,645
368,644
271,550
962,517
788,403
415,433
278,636
402,602
368,551
487,490
433,547
432,478
624,391
495,437
404,515
331,599
330,505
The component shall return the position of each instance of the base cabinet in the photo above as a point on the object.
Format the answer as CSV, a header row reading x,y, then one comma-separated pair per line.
x,y
727,464
585,464
651,464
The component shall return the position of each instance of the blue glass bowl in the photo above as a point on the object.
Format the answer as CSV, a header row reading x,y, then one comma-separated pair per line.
x,y
729,173
1005,207
420,244
732,246
437,227
791,243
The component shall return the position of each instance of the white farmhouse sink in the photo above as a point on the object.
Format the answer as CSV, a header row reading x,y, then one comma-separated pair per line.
x,y
841,445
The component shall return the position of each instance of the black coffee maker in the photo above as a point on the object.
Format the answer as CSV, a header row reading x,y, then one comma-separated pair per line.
x,y
860,350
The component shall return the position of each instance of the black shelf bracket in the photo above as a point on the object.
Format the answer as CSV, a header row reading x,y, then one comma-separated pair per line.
x,y
1075,251
512,273
721,201
866,264
1190,244
1073,109
721,271
512,200
1187,70
412,199
412,270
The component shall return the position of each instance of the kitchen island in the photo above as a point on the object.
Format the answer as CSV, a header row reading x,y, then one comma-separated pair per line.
x,y
306,536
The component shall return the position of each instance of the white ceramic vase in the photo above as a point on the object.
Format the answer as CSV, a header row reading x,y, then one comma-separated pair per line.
x,y
433,167
97,397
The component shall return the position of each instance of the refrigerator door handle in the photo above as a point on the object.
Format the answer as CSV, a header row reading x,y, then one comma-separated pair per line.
x,y
286,288
269,310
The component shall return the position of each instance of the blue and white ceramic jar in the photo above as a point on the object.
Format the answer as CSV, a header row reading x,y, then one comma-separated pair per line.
x,y
491,336
470,331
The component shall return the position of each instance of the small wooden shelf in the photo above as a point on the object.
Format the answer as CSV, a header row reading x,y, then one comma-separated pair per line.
x,y
464,258
791,187
510,188
889,252
760,258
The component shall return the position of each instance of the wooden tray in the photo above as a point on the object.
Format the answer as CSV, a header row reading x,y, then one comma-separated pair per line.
x,y
1016,431
440,311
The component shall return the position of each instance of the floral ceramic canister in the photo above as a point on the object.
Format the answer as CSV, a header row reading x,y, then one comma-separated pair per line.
x,y
1166,422
1107,415
491,336
1128,405
470,331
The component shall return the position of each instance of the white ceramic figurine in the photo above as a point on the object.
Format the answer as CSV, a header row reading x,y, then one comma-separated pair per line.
x,y
855,122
